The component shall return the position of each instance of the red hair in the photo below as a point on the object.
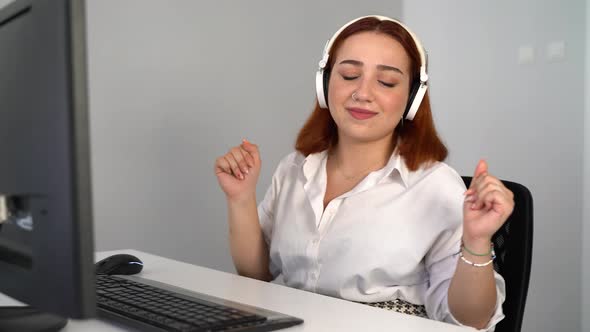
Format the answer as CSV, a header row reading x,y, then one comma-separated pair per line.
x,y
416,141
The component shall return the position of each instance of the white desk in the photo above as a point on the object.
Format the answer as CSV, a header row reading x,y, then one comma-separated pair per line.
x,y
320,313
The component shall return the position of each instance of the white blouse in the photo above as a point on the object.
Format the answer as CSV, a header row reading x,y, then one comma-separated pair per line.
x,y
395,235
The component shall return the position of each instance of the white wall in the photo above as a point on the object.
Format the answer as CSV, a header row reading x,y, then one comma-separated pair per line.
x,y
527,120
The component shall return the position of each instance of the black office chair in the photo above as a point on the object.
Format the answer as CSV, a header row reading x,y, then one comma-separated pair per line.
x,y
513,244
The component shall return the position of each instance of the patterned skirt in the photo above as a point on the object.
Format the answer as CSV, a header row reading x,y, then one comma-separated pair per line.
x,y
400,306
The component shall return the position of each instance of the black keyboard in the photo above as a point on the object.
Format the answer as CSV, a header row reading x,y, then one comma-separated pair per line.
x,y
150,308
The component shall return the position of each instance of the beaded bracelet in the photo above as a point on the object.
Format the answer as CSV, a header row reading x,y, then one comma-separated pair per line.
x,y
477,264
475,254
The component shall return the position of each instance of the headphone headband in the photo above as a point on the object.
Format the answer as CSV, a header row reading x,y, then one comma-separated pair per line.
x,y
417,92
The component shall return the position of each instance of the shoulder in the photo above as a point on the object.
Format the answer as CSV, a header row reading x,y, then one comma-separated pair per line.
x,y
437,174
440,184
294,158
288,163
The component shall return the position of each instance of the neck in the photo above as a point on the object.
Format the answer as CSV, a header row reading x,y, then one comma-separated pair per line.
x,y
362,157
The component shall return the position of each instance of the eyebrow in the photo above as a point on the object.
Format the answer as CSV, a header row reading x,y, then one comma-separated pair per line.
x,y
380,67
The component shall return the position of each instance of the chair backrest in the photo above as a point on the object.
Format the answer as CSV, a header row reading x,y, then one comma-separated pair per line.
x,y
513,244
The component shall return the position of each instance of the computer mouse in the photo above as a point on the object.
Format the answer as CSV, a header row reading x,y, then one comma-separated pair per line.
x,y
119,264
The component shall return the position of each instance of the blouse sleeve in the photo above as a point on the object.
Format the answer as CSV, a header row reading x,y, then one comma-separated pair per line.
x,y
266,211
441,262
266,216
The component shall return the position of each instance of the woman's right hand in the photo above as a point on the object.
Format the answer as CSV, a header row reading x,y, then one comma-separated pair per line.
x,y
237,171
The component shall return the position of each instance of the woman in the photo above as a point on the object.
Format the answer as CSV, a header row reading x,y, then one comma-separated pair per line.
x,y
365,209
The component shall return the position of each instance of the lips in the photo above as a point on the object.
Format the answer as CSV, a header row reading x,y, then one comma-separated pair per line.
x,y
360,114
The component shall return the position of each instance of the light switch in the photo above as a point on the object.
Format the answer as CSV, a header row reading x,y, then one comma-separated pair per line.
x,y
556,51
526,54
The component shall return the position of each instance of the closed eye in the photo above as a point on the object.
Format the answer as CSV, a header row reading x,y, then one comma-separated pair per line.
x,y
389,85
349,78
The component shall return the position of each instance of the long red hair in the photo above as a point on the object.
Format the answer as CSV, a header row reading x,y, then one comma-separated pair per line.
x,y
416,141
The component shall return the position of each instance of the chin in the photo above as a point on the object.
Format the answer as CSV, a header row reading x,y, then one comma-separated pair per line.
x,y
364,137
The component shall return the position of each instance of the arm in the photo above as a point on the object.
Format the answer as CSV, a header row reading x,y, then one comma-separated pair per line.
x,y
237,173
472,293
248,248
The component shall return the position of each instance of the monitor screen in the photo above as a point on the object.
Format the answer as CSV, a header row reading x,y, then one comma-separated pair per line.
x,y
46,239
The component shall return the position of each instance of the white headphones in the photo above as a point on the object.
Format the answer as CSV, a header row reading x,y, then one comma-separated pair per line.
x,y
417,90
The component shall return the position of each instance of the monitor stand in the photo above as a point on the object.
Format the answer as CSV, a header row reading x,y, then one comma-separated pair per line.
x,y
27,319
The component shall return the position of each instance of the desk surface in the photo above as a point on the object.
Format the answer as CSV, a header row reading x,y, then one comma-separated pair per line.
x,y
321,313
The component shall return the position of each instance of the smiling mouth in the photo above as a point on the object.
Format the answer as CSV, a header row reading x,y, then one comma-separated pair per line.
x,y
360,114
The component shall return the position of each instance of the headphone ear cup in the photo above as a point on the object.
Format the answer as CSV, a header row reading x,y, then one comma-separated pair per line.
x,y
413,91
325,84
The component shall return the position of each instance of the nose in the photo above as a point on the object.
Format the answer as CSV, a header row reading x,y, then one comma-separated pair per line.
x,y
363,93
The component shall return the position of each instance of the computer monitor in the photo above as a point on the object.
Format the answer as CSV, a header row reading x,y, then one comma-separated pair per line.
x,y
46,234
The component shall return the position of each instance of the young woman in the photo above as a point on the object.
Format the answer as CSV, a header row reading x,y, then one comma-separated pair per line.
x,y
365,209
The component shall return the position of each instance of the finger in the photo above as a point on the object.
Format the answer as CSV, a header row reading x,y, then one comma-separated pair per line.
x,y
482,195
509,194
478,196
479,182
481,168
475,183
469,199
222,166
488,200
477,190
252,149
248,157
236,152
234,166
497,201
484,179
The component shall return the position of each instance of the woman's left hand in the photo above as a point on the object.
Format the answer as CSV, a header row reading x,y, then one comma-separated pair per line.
x,y
488,203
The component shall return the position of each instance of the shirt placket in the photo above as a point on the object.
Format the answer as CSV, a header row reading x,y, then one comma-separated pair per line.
x,y
314,245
